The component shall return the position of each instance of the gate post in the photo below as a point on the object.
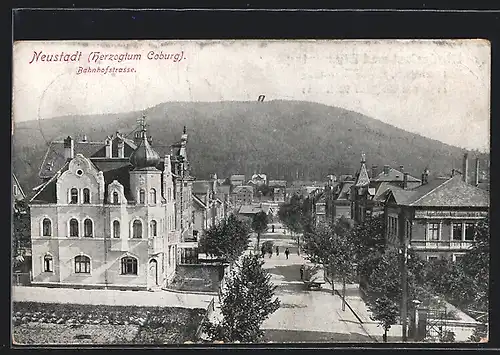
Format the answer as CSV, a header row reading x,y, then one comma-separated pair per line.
x,y
421,331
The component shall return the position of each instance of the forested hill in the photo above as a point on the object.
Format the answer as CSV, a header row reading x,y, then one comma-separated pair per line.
x,y
285,139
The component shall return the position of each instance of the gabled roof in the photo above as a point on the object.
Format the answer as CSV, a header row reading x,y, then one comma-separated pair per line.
x,y
345,190
47,193
18,185
362,179
451,192
393,175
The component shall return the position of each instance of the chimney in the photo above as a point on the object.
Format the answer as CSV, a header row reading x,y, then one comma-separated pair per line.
x,y
69,148
386,169
425,176
402,168
374,171
121,148
84,139
109,145
476,175
465,168
405,180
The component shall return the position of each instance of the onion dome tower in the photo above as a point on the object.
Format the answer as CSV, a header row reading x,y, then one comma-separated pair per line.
x,y
144,156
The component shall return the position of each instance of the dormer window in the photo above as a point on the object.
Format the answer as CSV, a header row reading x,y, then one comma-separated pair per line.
x,y
115,198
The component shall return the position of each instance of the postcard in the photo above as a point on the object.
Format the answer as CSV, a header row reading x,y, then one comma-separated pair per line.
x,y
250,191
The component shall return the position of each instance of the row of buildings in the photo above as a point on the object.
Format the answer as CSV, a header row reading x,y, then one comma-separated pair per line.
x,y
435,216
118,213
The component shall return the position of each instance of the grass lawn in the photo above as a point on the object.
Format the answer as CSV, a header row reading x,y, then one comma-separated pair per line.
x,y
39,323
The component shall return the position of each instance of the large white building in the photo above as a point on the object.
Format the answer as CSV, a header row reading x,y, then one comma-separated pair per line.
x,y
111,214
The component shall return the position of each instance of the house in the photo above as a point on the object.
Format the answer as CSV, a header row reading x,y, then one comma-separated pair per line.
x,y
437,218
208,208
368,194
258,179
237,180
111,218
242,195
250,210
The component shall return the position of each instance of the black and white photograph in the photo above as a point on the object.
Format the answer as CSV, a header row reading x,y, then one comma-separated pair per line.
x,y
250,192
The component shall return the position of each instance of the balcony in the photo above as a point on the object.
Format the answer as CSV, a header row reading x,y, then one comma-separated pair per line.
x,y
440,244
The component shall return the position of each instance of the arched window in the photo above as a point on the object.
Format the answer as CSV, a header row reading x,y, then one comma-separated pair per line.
x,y
115,198
47,264
73,228
46,227
137,229
86,195
142,197
153,228
82,264
74,195
116,229
87,228
152,196
129,265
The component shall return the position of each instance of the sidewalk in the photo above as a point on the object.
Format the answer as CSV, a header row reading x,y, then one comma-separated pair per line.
x,y
110,297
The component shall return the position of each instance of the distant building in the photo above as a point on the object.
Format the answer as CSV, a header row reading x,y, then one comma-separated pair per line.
x,y
242,195
251,210
237,180
258,179
279,194
436,219
209,209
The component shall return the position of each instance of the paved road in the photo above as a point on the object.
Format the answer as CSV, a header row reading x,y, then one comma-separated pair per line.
x,y
313,315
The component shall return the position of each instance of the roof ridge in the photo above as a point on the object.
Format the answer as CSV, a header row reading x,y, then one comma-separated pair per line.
x,y
432,190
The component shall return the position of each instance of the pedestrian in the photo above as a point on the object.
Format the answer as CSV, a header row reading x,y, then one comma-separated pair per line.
x,y
263,250
302,272
287,252
277,251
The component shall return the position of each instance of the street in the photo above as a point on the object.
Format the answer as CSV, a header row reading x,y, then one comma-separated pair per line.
x,y
313,315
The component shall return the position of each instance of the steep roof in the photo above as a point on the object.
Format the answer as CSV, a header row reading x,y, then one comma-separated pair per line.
x,y
47,193
362,179
450,192
345,190
54,158
393,175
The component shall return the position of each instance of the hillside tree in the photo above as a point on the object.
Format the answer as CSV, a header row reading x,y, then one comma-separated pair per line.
x,y
246,302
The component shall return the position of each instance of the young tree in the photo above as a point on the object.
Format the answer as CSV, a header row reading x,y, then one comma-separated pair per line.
x,y
227,240
247,301
384,291
21,229
294,216
259,224
329,245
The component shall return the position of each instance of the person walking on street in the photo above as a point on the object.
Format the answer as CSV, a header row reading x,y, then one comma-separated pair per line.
x,y
277,251
263,250
302,272
287,252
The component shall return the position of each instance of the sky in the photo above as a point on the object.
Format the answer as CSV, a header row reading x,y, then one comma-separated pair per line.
x,y
439,89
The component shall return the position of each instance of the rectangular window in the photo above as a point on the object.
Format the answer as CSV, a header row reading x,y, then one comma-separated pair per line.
x,y
469,231
432,258
433,231
456,231
457,257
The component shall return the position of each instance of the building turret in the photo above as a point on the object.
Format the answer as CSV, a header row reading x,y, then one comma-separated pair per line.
x,y
144,156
